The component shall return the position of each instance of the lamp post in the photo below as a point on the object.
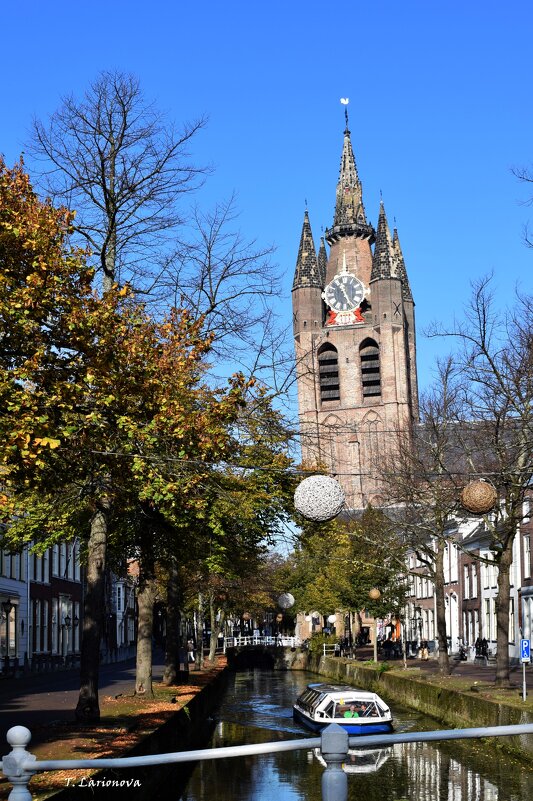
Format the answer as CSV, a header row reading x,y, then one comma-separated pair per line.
x,y
374,595
7,608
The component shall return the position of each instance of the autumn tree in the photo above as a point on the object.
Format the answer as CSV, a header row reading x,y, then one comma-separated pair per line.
x,y
116,160
249,501
105,409
423,482
495,365
338,563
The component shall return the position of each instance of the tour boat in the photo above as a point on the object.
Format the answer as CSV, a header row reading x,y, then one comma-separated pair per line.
x,y
322,704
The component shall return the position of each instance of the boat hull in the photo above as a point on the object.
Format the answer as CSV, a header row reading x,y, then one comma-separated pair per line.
x,y
349,725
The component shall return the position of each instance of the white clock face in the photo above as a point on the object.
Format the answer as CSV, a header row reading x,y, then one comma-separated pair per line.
x,y
344,293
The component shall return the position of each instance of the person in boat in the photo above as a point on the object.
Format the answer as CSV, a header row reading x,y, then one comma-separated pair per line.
x,y
351,712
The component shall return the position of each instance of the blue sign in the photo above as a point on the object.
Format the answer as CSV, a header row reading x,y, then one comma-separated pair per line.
x,y
525,650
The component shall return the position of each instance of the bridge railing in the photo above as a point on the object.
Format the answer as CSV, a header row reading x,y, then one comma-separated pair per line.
x,y
20,765
240,642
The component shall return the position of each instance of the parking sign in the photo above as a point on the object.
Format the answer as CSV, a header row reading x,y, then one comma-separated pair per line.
x,y
525,650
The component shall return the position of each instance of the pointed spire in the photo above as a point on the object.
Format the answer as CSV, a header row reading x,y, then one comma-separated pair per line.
x,y
307,271
383,261
322,262
349,207
400,266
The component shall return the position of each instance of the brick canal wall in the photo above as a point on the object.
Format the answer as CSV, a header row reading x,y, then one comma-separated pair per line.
x,y
455,709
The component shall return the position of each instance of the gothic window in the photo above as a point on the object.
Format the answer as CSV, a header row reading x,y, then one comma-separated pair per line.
x,y
328,371
370,373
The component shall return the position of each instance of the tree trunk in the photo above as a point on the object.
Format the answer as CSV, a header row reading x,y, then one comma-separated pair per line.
x,y
88,708
200,633
443,660
143,667
216,627
502,615
176,657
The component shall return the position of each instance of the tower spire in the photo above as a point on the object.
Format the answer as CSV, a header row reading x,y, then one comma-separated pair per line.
x,y
383,261
349,207
322,262
400,266
307,269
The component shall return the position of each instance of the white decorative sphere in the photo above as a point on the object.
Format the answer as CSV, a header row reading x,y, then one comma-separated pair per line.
x,y
332,618
319,498
286,600
308,618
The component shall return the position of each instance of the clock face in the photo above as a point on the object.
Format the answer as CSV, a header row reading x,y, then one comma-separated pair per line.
x,y
344,293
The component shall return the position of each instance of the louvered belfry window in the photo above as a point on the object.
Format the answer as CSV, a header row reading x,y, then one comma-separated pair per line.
x,y
328,369
370,373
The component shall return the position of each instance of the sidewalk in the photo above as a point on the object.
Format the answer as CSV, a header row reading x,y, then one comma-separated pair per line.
x,y
42,699
475,671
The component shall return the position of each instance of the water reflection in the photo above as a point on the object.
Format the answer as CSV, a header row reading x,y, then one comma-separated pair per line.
x,y
258,708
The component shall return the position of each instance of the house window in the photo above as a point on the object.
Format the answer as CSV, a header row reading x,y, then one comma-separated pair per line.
x,y
76,560
55,626
328,371
474,581
37,647
55,560
370,370
466,581
527,556
46,646
62,560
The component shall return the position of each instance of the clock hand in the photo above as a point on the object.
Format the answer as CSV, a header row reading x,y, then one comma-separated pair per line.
x,y
345,294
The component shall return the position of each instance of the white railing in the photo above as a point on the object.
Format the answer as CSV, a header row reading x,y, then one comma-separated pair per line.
x,y
20,765
239,642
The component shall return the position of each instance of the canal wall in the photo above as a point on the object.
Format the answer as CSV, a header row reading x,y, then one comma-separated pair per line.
x,y
189,728
456,709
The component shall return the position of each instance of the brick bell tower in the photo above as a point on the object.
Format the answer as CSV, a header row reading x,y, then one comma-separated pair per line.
x,y
354,331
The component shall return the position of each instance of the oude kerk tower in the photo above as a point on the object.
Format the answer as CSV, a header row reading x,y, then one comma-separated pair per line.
x,y
354,332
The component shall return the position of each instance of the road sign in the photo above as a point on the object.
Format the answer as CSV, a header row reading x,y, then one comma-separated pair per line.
x,y
525,650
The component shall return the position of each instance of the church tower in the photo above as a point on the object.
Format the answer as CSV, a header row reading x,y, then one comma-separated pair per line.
x,y
354,331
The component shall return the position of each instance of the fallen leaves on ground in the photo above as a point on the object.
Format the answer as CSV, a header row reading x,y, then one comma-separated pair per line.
x,y
124,722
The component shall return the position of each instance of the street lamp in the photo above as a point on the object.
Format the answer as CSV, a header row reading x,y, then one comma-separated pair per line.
x,y
374,594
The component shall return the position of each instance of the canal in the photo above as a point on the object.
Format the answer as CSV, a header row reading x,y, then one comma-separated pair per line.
x,y
257,707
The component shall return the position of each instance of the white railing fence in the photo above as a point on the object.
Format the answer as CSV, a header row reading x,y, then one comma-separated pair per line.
x,y
239,642
20,765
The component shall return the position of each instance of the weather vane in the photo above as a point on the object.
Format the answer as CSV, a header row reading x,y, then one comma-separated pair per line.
x,y
345,101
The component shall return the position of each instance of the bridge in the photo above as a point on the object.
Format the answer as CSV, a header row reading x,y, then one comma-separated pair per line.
x,y
274,653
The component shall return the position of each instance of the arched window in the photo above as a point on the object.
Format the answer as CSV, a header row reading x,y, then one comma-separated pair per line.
x,y
370,373
328,371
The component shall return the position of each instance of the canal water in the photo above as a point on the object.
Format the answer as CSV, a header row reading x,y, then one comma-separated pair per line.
x,y
257,707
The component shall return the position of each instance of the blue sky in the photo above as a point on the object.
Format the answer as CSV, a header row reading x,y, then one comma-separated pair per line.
x,y
440,112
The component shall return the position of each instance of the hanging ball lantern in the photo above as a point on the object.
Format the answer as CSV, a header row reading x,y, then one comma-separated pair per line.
x,y
319,498
374,594
332,618
308,618
478,497
286,600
